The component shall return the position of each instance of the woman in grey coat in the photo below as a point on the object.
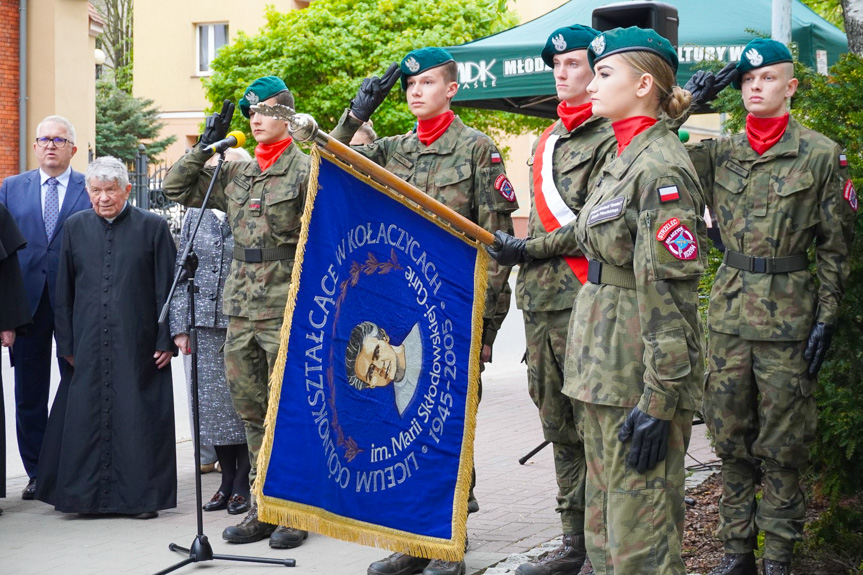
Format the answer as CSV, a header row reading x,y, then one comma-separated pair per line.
x,y
219,423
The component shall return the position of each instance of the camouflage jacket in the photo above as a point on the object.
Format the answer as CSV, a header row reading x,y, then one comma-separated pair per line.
x,y
548,283
774,205
254,290
642,346
460,170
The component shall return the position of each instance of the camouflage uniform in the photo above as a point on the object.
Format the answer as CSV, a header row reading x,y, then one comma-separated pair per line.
x,y
459,169
635,521
545,290
264,211
758,399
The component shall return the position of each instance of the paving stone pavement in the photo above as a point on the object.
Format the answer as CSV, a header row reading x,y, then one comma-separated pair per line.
x,y
516,518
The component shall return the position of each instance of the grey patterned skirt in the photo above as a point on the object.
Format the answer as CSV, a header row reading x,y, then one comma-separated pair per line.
x,y
220,424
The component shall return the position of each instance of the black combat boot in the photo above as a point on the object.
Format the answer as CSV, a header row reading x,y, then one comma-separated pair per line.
x,y
439,567
287,537
398,564
736,564
772,567
249,530
565,560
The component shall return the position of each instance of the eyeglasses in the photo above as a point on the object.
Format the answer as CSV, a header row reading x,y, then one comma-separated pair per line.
x,y
58,142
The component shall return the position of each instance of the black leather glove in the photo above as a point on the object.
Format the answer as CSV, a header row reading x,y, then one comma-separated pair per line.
x,y
217,125
705,86
508,250
649,439
817,346
373,91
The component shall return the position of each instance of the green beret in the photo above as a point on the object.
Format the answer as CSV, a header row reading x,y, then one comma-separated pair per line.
x,y
421,60
567,39
632,39
260,90
759,53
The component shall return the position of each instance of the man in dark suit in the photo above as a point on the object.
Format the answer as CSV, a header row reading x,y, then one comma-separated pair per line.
x,y
40,201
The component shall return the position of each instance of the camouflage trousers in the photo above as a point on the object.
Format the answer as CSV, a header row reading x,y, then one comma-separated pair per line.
x,y
250,349
758,405
560,415
634,521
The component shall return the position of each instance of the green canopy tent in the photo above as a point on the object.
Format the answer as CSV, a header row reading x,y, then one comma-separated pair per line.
x,y
504,71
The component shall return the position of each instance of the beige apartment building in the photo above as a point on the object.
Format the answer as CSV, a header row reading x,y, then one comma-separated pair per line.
x,y
175,41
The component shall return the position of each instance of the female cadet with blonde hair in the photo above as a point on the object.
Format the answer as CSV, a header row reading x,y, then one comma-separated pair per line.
x,y
635,354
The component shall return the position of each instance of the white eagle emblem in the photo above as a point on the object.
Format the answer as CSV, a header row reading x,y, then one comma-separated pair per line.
x,y
559,42
412,64
754,57
598,45
252,98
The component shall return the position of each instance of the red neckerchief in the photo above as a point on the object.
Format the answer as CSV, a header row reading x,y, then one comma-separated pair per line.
x,y
267,154
430,130
764,132
574,116
626,130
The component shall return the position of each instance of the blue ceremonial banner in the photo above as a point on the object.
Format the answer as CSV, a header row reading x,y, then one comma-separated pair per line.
x,y
370,428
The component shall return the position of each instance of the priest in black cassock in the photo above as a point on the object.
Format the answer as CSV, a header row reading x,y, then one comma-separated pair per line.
x,y
14,311
109,446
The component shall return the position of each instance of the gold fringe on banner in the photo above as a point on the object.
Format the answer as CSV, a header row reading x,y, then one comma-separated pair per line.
x,y
300,516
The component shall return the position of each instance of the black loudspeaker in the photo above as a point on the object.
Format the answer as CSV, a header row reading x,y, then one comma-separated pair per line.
x,y
656,15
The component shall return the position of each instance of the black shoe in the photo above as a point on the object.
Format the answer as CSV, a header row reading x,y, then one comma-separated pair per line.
x,y
398,564
736,564
566,559
772,567
287,537
249,530
238,504
29,492
472,506
217,502
438,567
146,515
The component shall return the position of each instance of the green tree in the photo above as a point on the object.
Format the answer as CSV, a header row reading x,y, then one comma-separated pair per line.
x,y
324,51
122,122
116,39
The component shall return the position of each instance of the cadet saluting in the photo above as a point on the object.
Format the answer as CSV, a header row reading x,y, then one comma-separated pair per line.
x,y
635,354
774,189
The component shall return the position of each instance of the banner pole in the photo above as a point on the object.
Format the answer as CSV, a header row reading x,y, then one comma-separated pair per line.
x,y
304,128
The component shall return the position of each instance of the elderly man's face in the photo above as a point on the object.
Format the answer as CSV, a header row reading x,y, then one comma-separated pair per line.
x,y
108,198
376,362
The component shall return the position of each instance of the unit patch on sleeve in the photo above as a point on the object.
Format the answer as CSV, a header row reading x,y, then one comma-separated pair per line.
x,y
503,185
843,161
668,194
495,157
678,240
850,194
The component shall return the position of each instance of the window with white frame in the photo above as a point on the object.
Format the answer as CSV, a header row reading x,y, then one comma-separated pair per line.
x,y
211,37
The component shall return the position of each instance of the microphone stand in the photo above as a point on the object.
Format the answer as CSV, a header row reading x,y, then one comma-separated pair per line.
x,y
200,549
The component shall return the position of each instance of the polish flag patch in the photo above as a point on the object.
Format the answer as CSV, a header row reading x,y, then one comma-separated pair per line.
x,y
668,194
495,157
843,161
503,185
850,195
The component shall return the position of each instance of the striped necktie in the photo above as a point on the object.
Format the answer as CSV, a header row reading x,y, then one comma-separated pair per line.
x,y
52,206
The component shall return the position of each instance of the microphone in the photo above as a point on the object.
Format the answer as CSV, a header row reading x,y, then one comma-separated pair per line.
x,y
235,139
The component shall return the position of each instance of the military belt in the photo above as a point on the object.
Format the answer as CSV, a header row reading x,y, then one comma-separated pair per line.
x,y
756,265
600,273
257,255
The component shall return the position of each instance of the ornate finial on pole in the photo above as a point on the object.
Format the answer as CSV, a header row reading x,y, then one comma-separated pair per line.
x,y
302,126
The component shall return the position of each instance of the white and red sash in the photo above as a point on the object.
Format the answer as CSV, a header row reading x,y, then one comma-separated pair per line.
x,y
552,210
